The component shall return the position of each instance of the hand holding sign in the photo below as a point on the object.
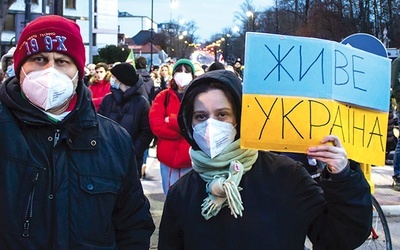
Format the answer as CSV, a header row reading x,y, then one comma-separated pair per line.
x,y
333,154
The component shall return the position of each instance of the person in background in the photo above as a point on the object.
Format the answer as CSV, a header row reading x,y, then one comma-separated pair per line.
x,y
91,68
148,84
230,68
215,66
395,84
128,107
165,73
172,148
2,77
154,68
198,70
238,66
68,176
237,198
157,81
7,63
99,84
148,93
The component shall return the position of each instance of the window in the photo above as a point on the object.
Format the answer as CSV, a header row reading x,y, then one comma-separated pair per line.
x,y
94,39
70,4
95,22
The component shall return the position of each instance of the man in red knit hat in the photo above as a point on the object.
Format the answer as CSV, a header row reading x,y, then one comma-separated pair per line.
x,y
68,177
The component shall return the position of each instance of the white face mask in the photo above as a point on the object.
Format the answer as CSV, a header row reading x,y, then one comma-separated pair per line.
x,y
183,79
47,88
212,136
114,84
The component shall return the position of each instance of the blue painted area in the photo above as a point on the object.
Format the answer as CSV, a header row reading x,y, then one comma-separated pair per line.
x,y
309,67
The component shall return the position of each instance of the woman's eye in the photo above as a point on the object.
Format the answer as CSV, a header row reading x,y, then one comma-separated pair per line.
x,y
200,117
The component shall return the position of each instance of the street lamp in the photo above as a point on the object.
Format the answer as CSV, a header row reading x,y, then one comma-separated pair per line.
x,y
180,48
173,5
251,14
28,16
151,36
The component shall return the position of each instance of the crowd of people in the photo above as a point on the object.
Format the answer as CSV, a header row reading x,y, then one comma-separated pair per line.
x,y
74,141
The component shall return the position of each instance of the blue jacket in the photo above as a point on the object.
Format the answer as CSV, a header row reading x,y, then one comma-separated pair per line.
x,y
67,185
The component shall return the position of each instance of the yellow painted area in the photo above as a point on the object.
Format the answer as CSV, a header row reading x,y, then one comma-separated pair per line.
x,y
292,124
366,168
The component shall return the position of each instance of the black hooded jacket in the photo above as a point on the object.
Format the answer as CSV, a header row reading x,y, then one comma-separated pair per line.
x,y
67,185
131,110
282,203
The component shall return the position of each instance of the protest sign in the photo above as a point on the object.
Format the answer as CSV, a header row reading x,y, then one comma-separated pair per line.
x,y
297,90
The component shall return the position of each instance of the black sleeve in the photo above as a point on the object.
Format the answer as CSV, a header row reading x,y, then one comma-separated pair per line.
x,y
347,219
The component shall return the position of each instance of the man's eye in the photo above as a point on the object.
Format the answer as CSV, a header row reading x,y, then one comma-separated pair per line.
x,y
38,59
61,61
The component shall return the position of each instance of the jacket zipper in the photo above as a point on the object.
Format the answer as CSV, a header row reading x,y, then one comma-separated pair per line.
x,y
29,208
56,137
52,171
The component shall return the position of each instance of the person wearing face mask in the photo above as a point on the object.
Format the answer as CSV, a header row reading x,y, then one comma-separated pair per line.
x,y
237,198
172,148
7,63
127,106
68,177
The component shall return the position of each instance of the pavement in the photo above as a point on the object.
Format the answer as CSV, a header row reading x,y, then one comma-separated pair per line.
x,y
381,177
389,199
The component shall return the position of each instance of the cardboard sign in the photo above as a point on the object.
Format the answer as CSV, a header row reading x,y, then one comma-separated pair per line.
x,y
309,67
297,90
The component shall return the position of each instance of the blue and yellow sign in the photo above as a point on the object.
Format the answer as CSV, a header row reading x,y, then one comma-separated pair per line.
x,y
296,90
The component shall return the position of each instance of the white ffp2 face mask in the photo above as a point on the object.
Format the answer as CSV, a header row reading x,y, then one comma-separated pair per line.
x,y
183,79
212,136
47,88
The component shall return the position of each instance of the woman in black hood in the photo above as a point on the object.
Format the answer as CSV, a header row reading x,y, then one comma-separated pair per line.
x,y
239,198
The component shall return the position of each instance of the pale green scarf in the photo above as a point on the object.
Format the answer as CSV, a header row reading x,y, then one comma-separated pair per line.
x,y
223,175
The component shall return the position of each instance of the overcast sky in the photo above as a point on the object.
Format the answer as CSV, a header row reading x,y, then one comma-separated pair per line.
x,y
210,16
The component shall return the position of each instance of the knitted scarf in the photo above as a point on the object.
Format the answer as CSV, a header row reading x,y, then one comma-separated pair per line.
x,y
223,175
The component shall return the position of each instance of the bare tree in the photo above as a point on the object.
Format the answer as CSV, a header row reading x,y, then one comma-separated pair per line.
x,y
179,39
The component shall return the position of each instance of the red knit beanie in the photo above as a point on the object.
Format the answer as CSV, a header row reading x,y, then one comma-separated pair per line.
x,y
50,34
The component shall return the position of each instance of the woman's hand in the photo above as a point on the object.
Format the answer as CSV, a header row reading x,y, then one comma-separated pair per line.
x,y
331,152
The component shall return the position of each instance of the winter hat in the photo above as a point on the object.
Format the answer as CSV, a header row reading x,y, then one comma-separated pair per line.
x,y
216,66
4,58
125,73
50,33
183,61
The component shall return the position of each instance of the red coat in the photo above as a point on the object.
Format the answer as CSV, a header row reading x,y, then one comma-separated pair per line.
x,y
172,148
99,89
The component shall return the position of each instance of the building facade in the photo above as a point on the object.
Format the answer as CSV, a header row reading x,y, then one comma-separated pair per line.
x,y
102,14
